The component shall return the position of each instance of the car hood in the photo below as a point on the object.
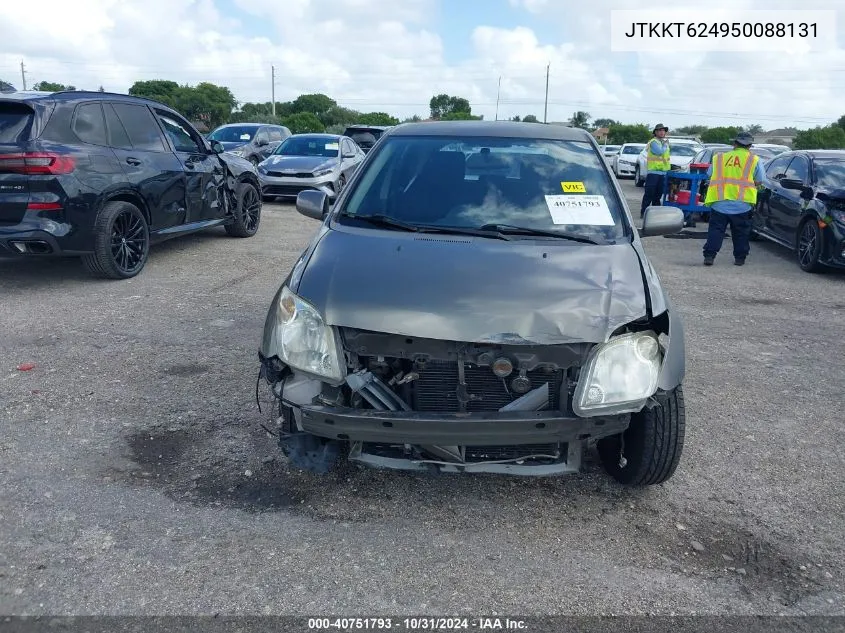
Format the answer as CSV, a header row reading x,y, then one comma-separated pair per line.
x,y
473,289
299,163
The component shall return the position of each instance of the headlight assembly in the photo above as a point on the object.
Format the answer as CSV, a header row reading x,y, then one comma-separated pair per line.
x,y
619,376
296,333
323,172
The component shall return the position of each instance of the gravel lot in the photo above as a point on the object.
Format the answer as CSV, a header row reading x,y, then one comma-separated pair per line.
x,y
135,477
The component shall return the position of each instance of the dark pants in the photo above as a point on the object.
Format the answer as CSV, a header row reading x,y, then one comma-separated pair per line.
x,y
653,191
740,233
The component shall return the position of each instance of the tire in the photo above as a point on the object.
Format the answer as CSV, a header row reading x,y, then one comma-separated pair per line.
x,y
247,213
653,443
638,182
341,183
808,244
254,161
121,242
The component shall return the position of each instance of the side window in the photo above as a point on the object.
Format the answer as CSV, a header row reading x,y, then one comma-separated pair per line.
x,y
118,136
89,125
141,127
777,168
275,134
799,169
179,133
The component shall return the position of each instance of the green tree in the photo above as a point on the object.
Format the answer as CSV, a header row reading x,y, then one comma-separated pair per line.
x,y
167,92
692,129
377,118
301,122
530,118
50,86
313,103
621,133
755,128
841,122
580,119
338,115
719,134
604,123
828,137
414,119
516,118
207,102
443,104
460,115
5,86
101,89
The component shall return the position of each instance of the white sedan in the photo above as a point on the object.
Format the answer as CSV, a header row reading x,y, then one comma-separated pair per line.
x,y
626,160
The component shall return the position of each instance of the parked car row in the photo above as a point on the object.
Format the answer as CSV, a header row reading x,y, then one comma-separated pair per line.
x,y
104,176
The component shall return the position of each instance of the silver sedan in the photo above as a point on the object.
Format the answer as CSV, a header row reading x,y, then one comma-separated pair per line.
x,y
320,162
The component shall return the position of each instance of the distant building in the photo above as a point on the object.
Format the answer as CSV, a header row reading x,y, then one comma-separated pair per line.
x,y
781,136
601,133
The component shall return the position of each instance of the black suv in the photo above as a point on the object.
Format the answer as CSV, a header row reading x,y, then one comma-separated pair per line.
x,y
103,176
365,135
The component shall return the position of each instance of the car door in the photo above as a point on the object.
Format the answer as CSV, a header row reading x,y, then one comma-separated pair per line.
x,y
150,167
351,157
276,138
786,214
769,197
204,173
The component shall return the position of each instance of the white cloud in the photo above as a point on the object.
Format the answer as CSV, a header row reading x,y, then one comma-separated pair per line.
x,y
380,55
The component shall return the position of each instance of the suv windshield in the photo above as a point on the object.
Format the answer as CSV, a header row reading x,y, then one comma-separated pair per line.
x,y
234,134
309,146
830,173
474,182
684,149
632,149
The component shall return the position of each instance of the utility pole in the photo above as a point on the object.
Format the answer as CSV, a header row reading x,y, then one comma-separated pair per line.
x,y
273,89
498,91
546,107
23,75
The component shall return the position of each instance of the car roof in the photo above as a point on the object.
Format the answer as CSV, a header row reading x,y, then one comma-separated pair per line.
x,y
246,124
316,135
80,95
818,153
502,129
364,126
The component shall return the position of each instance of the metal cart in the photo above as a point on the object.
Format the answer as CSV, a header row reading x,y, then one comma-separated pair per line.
x,y
682,190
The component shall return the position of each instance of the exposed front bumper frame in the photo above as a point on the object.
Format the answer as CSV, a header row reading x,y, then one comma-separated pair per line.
x,y
450,429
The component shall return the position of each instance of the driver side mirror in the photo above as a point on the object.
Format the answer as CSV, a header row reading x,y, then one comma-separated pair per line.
x,y
217,147
797,185
312,204
659,220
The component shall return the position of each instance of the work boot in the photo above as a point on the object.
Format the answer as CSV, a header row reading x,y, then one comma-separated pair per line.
x,y
739,262
708,261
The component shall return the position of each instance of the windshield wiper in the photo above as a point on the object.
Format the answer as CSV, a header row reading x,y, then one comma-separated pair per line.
x,y
510,229
387,221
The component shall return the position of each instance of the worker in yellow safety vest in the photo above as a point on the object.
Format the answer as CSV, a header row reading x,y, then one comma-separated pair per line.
x,y
657,164
731,195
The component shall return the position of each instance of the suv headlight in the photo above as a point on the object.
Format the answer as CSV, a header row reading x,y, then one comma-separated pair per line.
x,y
296,333
323,172
619,376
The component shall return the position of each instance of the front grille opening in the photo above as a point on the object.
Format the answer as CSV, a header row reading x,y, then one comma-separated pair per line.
x,y
435,389
551,453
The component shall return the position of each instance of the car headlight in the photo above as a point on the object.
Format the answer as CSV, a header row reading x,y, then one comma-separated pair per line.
x,y
838,215
238,152
619,376
296,333
323,172
262,169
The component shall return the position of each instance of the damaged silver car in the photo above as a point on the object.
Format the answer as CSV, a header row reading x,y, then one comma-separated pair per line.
x,y
479,300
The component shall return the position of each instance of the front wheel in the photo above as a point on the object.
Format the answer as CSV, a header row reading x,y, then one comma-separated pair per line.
x,y
247,211
809,244
638,182
648,452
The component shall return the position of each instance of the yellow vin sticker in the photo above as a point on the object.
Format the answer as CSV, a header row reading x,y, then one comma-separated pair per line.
x,y
573,187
